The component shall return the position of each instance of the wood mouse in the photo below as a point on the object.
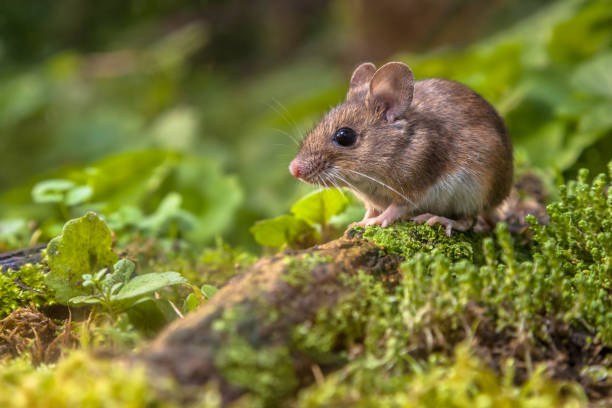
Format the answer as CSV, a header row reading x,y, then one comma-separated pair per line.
x,y
432,151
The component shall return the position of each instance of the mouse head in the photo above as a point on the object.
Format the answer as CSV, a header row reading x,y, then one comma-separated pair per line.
x,y
357,135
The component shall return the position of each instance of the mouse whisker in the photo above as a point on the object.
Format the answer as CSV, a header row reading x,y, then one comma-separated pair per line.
x,y
333,173
285,133
343,179
295,140
322,183
287,117
383,184
331,179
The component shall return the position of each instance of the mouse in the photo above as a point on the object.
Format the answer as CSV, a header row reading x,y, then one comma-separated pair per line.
x,y
432,151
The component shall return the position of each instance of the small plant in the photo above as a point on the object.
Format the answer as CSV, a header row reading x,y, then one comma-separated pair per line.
x,y
198,297
118,291
311,221
64,193
84,271
84,247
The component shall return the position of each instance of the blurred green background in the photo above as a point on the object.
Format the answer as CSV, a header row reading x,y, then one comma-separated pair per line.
x,y
177,118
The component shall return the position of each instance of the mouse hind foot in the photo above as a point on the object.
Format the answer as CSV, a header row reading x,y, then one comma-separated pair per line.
x,y
463,224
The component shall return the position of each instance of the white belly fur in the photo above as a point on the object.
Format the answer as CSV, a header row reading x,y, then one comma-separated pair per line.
x,y
458,193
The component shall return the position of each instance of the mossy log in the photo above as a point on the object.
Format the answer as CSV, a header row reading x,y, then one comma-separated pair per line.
x,y
274,296
247,329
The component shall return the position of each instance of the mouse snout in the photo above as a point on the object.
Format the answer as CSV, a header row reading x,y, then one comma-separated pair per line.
x,y
296,168
305,168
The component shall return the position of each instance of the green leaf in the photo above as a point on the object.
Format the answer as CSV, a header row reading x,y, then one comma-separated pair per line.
x,y
122,271
84,300
168,212
148,283
150,315
320,206
99,275
84,247
191,303
126,215
51,191
283,230
115,288
78,195
208,291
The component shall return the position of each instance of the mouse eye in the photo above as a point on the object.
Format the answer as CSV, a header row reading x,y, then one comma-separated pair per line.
x,y
345,137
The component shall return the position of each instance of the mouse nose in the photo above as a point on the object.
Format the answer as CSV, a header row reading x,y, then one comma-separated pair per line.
x,y
294,168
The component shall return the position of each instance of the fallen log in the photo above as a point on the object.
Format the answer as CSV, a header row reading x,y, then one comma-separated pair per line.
x,y
260,309
16,259
272,297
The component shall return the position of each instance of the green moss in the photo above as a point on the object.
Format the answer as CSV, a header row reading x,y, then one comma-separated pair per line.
x,y
299,268
576,249
337,329
463,382
82,381
222,262
266,372
23,287
408,238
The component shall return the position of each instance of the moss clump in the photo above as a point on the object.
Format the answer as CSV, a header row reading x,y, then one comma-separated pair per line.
x,y
463,382
81,381
266,372
408,238
575,251
23,287
332,334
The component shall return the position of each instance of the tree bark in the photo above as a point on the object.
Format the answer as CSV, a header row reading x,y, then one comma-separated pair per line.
x,y
16,259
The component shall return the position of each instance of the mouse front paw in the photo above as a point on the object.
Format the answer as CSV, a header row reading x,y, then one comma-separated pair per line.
x,y
389,216
371,213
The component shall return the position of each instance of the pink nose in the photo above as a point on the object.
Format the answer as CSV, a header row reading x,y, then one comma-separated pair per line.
x,y
294,168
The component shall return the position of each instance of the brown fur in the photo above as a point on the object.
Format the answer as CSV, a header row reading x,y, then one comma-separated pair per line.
x,y
410,139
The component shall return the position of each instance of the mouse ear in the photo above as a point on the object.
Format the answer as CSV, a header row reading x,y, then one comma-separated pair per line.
x,y
391,90
360,79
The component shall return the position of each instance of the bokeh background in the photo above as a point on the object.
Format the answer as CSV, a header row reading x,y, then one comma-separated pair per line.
x,y
178,118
